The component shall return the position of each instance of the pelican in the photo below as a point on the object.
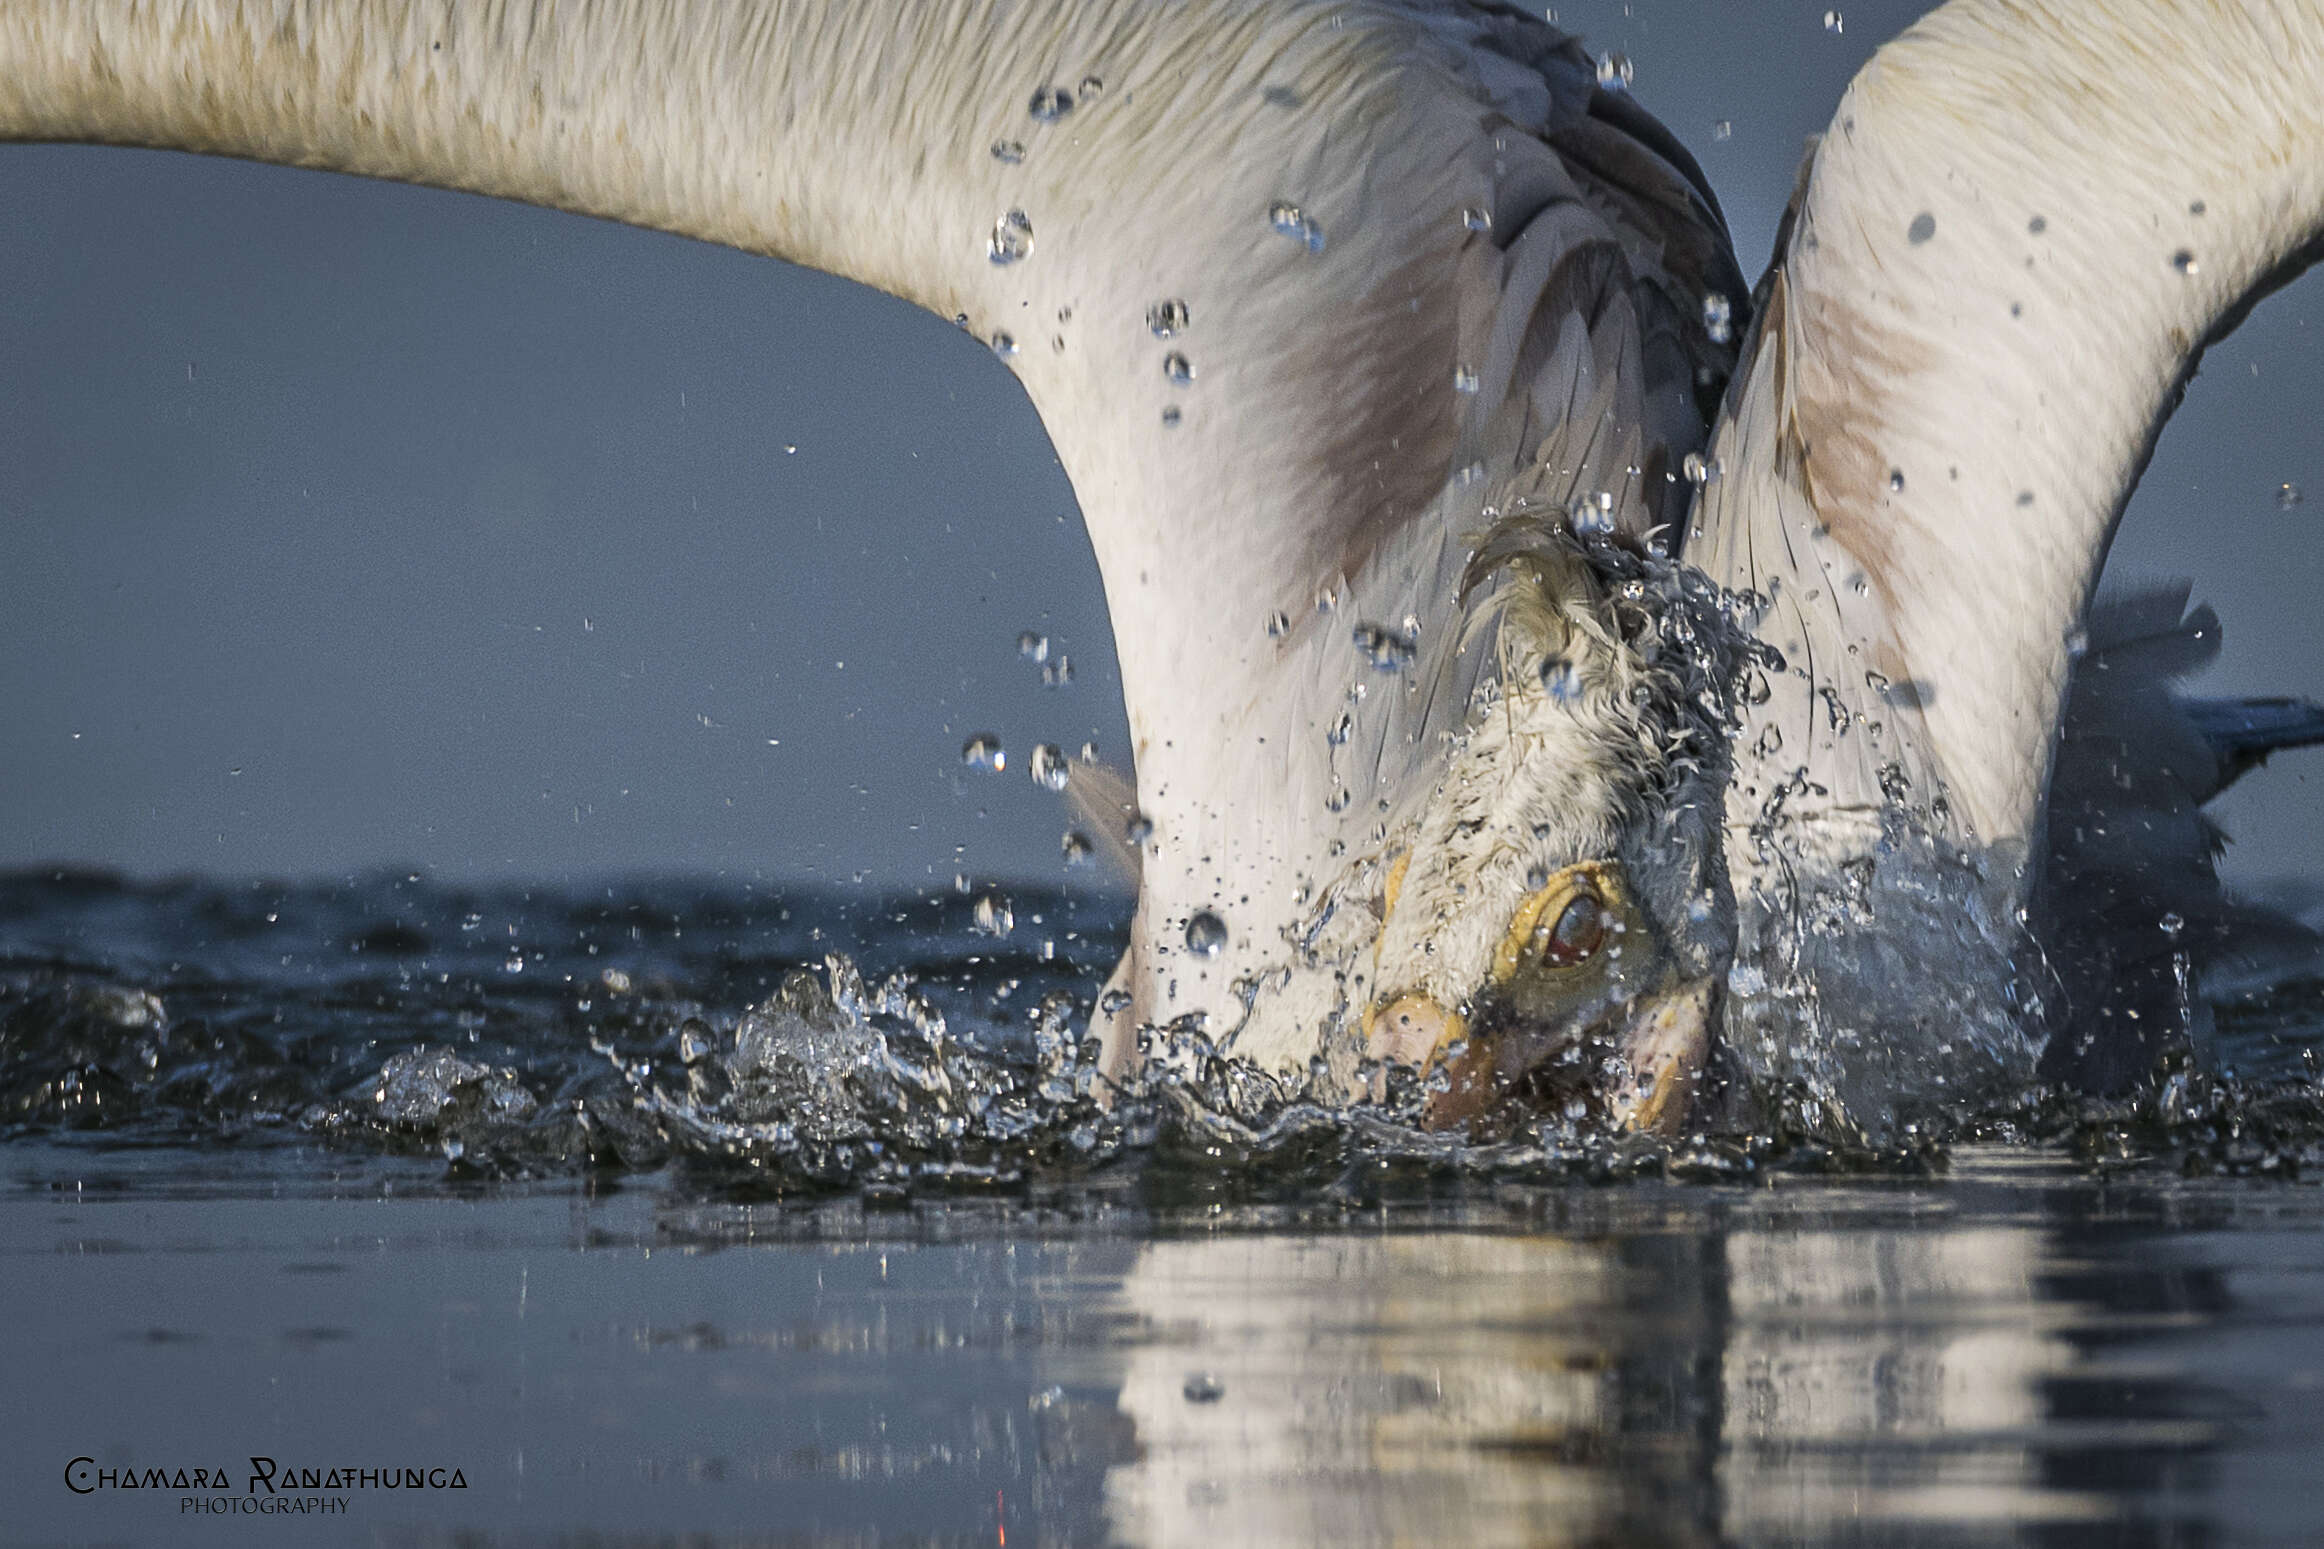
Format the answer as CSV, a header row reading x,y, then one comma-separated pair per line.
x,y
1550,662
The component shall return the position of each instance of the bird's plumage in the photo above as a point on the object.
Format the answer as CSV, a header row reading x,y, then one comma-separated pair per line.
x,y
1376,339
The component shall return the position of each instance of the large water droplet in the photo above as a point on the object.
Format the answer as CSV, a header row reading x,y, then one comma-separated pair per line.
x,y
1724,129
1464,380
1050,104
1167,319
1771,741
1591,515
1058,673
1050,770
1835,22
1718,317
984,751
2184,261
1696,470
1177,369
1033,646
994,917
1278,625
1561,680
1139,830
1008,152
1384,648
1206,934
1340,730
1171,417
2287,496
1012,238
1614,72
1076,848
1477,218
1292,222
1090,87
1004,344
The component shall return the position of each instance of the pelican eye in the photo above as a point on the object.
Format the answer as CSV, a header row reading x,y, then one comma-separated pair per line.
x,y
1576,934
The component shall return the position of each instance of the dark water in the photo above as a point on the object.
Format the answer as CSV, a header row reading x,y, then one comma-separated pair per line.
x,y
572,1193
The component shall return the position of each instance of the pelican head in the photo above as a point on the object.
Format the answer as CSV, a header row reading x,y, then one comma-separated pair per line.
x,y
1555,930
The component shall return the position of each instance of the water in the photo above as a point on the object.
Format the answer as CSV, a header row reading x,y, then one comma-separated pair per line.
x,y
387,1173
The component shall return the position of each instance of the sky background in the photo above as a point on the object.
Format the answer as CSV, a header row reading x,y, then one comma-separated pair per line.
x,y
347,525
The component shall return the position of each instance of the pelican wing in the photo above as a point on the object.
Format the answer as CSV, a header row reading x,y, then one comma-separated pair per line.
x,y
1299,289
2026,221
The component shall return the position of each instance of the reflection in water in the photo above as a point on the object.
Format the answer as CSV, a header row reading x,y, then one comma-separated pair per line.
x,y
1807,1365
2017,1354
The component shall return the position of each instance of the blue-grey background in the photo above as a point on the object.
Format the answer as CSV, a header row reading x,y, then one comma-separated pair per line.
x,y
348,525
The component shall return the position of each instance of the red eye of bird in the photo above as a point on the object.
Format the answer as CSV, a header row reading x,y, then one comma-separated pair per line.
x,y
1579,932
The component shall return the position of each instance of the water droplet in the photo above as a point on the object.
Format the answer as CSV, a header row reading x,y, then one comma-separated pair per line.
x,y
1718,317
1292,222
1696,470
984,751
1385,649
1058,673
1771,741
1206,933
1076,848
1009,153
1477,218
2037,225
1614,72
1896,481
694,1041
1278,625
1012,238
1923,227
1468,474
1203,1388
1090,87
2077,644
1561,680
1171,417
1835,22
1167,319
1032,646
1464,380
2171,925
1050,770
1050,104
1139,830
2184,261
1339,799
1341,729
1724,129
993,915
515,963
1004,344
1114,1003
2287,496
1591,515
1177,369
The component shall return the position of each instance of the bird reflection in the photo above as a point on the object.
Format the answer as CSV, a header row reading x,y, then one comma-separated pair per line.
x,y
1805,1372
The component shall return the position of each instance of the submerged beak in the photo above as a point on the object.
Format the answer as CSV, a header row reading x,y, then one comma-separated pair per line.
x,y
1648,1069
1563,1026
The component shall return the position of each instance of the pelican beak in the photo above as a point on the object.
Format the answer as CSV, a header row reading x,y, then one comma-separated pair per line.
x,y
1581,1005
1663,1052
1661,1045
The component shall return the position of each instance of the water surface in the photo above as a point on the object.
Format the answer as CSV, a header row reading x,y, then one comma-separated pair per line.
x,y
386,1175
